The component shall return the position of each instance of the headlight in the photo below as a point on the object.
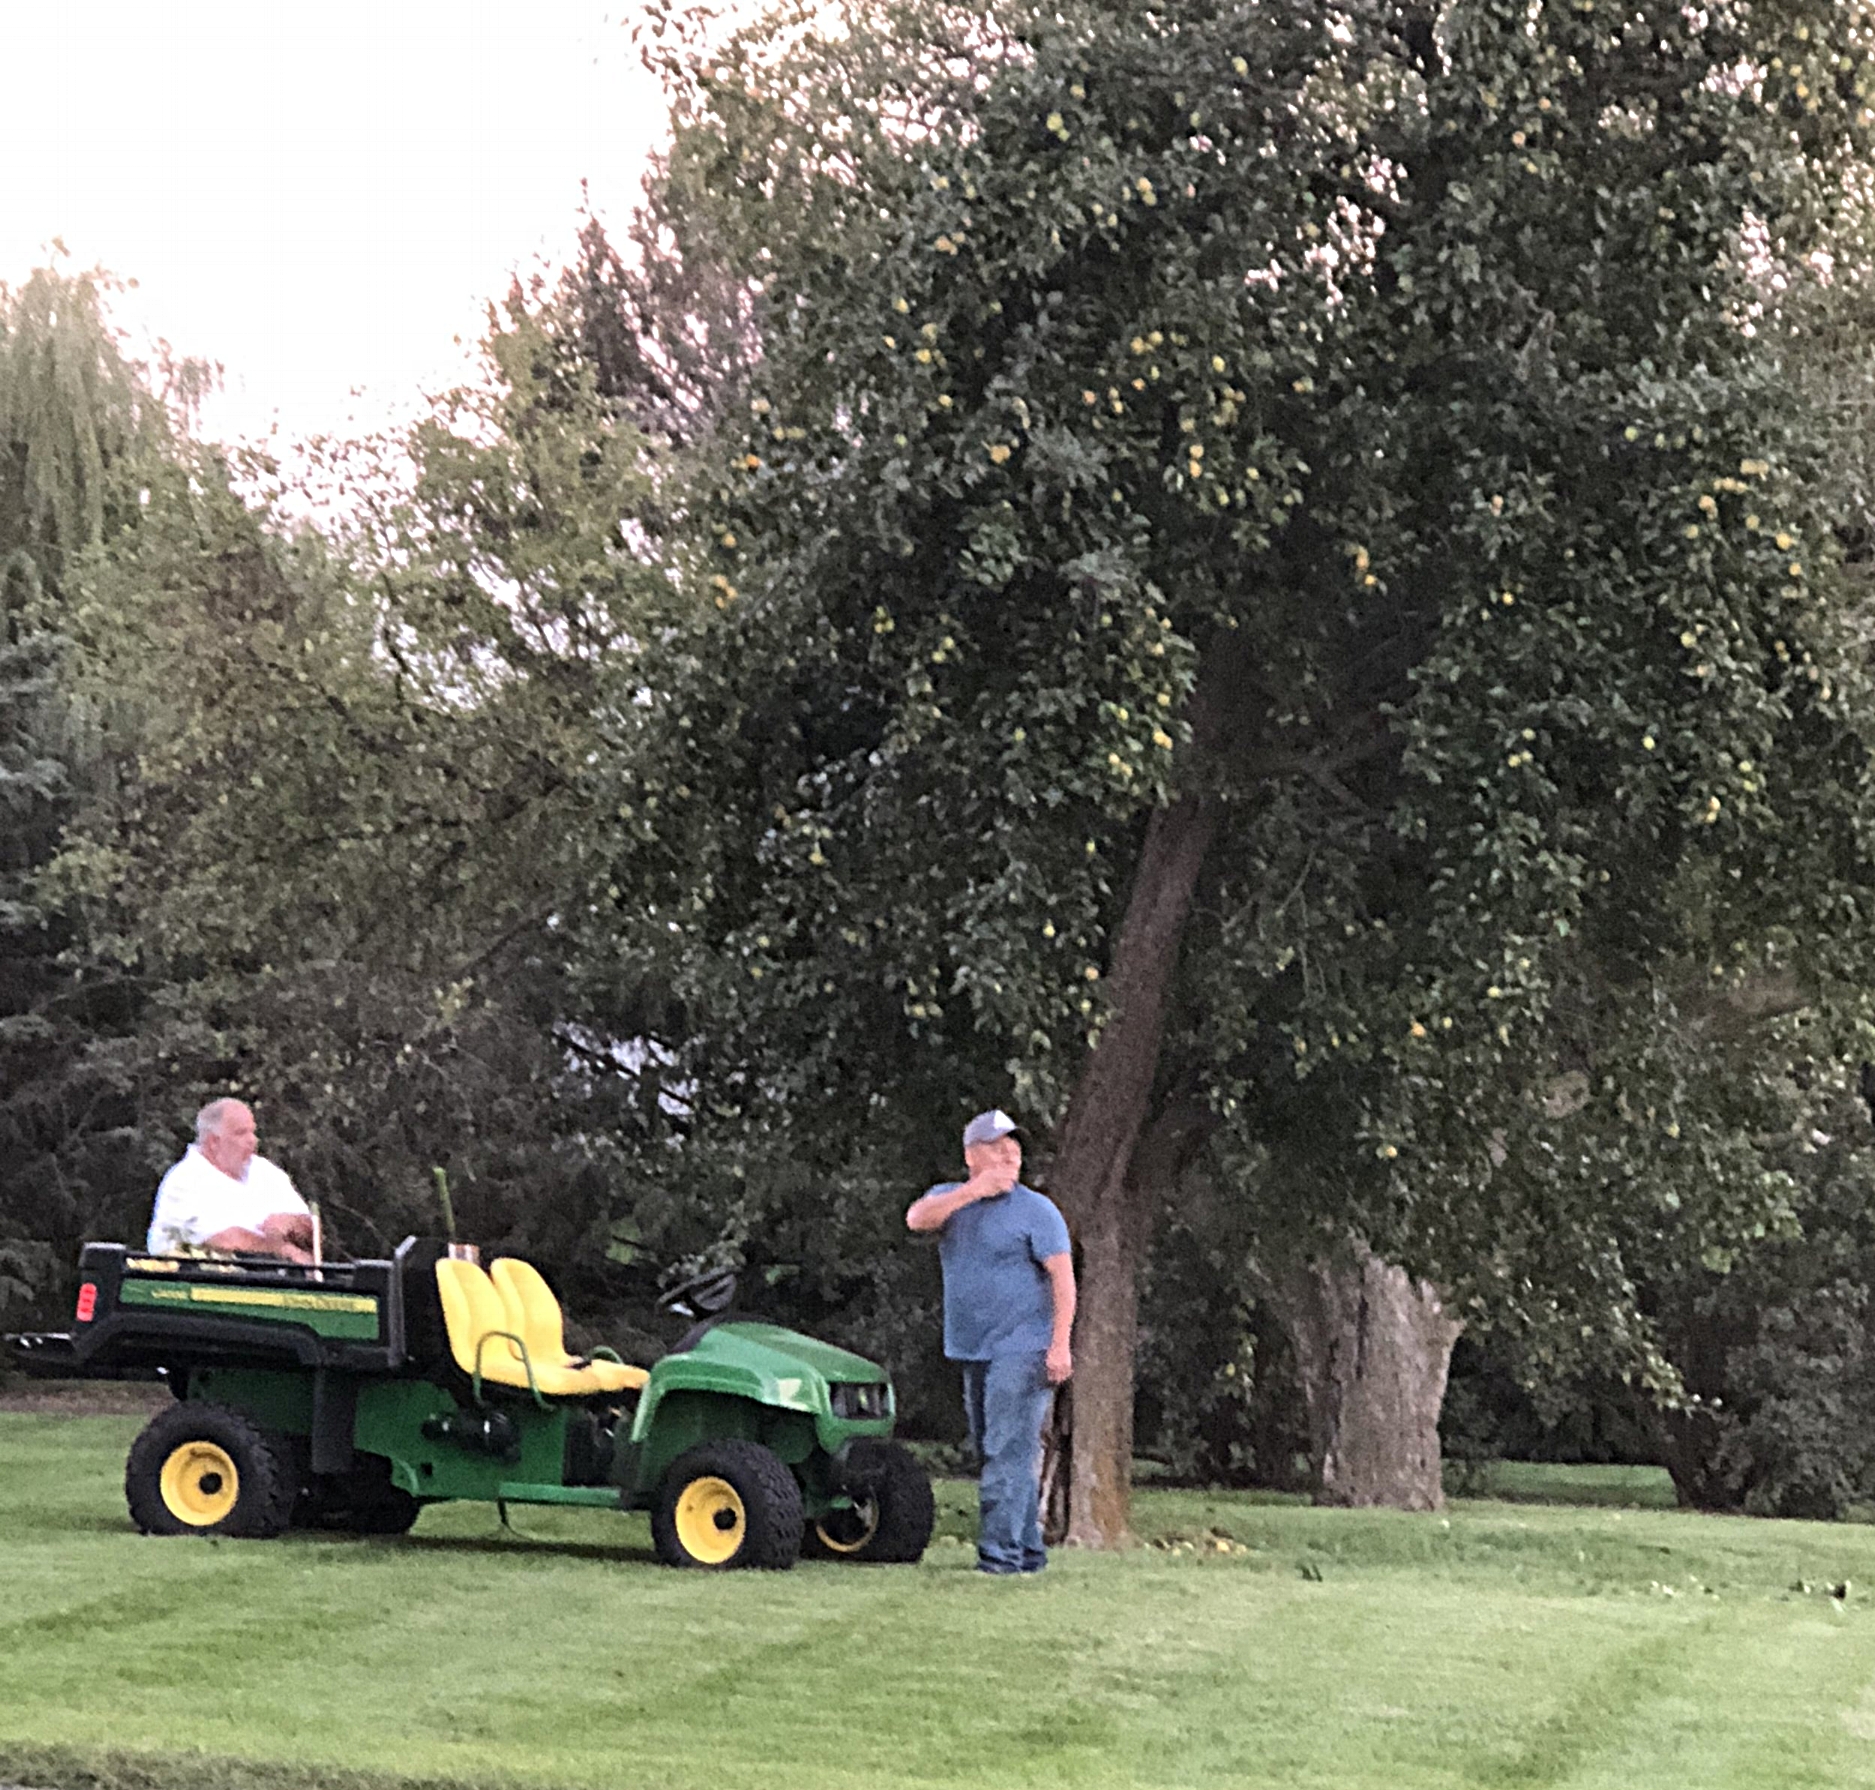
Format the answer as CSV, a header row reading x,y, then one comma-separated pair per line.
x,y
867,1399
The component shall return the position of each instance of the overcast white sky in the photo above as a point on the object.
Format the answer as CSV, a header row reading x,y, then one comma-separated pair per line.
x,y
320,197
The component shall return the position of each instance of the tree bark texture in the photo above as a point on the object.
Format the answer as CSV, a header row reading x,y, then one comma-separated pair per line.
x,y
1108,1210
1372,1349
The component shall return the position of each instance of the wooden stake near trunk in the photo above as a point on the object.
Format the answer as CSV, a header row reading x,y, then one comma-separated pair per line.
x,y
1057,1448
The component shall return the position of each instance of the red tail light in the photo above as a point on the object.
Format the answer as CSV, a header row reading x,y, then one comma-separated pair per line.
x,y
87,1301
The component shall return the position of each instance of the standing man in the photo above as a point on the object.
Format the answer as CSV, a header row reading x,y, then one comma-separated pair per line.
x,y
1008,1314
221,1195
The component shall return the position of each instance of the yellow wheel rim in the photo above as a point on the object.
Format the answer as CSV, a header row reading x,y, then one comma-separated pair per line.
x,y
847,1531
710,1520
200,1484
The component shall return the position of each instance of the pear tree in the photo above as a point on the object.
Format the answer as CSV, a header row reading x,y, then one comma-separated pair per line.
x,y
1267,600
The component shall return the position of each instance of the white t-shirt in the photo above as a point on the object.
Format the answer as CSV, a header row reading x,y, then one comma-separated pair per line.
x,y
196,1201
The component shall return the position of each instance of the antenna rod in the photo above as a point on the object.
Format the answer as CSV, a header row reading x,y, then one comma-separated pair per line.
x,y
442,1194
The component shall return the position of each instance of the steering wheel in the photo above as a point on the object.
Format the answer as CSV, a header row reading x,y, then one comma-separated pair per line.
x,y
701,1295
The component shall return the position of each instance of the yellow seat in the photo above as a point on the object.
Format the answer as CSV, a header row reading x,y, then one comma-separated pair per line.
x,y
484,1343
533,1313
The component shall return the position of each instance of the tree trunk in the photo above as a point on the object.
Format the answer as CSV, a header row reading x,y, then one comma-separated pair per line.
x,y
1108,1208
1699,1447
1372,1348
1699,1441
1106,1333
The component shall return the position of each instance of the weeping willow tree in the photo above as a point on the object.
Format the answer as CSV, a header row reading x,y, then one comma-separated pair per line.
x,y
79,422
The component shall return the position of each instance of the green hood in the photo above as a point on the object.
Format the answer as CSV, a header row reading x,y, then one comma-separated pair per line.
x,y
760,1362
781,1353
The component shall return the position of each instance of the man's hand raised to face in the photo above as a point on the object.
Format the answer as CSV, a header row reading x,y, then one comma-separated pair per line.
x,y
986,1183
995,1167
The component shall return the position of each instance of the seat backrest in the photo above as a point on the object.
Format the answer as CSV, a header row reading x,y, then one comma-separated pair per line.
x,y
472,1308
533,1311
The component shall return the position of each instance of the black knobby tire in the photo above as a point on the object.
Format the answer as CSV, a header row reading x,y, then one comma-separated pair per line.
x,y
387,1510
894,1510
176,1480
727,1504
361,1502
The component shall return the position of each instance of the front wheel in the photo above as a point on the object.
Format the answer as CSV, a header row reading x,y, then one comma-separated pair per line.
x,y
892,1514
727,1504
204,1469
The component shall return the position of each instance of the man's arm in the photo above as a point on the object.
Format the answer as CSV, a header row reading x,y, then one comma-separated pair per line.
x,y
1060,1272
932,1211
239,1237
289,1227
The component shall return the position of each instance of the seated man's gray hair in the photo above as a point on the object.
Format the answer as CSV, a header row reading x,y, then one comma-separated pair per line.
x,y
208,1120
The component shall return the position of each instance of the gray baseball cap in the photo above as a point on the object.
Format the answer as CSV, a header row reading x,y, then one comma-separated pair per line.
x,y
987,1127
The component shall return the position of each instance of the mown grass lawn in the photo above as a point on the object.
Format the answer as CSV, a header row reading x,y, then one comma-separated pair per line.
x,y
1506,1644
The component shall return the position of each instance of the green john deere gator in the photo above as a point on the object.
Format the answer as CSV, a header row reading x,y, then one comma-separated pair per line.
x,y
349,1395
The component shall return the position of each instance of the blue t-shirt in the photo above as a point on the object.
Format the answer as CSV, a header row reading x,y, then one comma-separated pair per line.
x,y
996,1293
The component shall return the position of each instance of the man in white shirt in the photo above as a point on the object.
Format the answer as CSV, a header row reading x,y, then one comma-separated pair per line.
x,y
221,1195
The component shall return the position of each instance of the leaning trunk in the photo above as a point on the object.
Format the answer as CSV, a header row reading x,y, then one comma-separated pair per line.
x,y
1372,1348
1699,1440
1700,1448
1108,1208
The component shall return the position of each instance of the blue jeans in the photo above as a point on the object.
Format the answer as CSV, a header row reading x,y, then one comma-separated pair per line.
x,y
1006,1402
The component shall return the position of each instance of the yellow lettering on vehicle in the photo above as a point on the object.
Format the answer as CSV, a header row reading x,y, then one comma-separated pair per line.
x,y
292,1301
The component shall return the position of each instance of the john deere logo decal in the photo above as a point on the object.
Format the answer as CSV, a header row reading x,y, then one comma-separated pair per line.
x,y
331,1314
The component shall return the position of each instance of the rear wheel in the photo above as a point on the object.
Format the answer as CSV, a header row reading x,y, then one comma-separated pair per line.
x,y
203,1469
727,1504
892,1514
